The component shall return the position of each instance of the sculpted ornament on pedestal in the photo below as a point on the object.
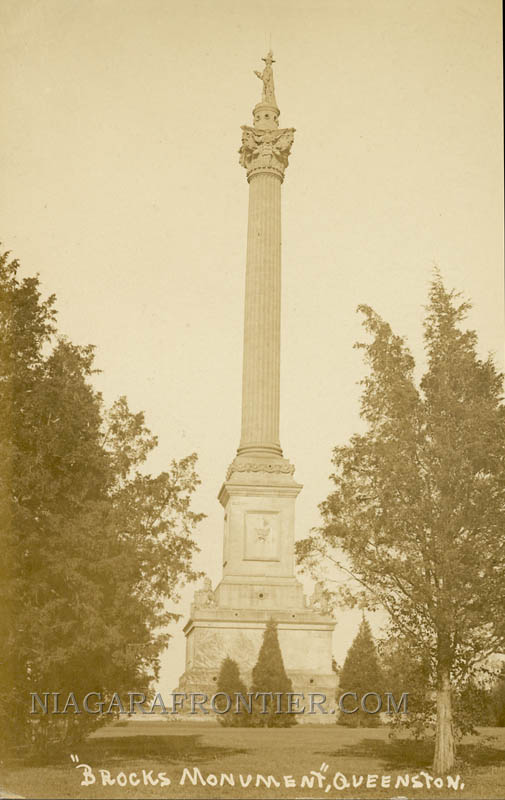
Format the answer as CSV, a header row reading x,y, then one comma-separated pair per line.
x,y
266,150
263,533
204,598
319,600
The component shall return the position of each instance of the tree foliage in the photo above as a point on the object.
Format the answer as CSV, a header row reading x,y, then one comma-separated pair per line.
x,y
408,669
498,699
418,508
361,673
269,675
92,545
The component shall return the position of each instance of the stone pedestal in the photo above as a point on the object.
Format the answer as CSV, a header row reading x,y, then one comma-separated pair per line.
x,y
304,638
259,584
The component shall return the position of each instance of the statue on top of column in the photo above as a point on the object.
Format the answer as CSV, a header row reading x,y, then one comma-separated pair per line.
x,y
267,76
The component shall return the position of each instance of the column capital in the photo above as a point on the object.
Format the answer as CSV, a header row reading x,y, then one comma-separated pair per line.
x,y
265,150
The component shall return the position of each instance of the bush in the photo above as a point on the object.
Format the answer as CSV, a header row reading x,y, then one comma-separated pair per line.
x,y
361,673
269,675
230,683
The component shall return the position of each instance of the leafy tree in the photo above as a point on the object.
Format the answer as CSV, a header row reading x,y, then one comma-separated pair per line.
x,y
418,508
408,669
230,682
473,703
361,673
92,547
269,675
498,700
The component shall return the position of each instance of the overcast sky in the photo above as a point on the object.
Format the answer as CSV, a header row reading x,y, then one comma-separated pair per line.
x,y
121,187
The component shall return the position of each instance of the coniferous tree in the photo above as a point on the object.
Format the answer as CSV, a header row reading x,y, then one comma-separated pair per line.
x,y
269,675
418,507
230,683
361,673
91,545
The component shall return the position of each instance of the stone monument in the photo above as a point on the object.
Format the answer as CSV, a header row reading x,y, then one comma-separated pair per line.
x,y
259,493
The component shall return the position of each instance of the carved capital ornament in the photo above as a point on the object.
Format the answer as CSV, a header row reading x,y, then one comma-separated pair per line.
x,y
265,150
265,146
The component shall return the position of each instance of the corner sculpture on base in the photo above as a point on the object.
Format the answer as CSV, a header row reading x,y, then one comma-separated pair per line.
x,y
259,493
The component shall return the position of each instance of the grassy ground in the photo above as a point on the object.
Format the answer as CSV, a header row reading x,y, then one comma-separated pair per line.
x,y
170,747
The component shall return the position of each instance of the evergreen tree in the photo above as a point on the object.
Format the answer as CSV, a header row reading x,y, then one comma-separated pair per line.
x,y
418,506
270,676
361,673
230,683
91,546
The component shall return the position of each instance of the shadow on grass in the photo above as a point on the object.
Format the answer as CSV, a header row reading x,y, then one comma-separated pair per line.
x,y
399,755
481,754
393,754
170,748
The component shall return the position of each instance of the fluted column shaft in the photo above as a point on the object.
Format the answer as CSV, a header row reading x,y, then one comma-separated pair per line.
x,y
261,364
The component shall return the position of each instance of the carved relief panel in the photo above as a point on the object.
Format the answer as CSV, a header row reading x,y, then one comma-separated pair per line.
x,y
262,536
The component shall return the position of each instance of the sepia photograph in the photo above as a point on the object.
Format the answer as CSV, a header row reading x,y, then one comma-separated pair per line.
x,y
252,408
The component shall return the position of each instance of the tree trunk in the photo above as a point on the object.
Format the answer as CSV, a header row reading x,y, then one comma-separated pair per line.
x,y
444,737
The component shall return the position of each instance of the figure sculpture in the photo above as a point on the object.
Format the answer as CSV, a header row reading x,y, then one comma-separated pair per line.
x,y
267,76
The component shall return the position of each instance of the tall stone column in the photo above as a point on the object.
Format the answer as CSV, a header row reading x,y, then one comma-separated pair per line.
x,y
262,319
259,493
264,154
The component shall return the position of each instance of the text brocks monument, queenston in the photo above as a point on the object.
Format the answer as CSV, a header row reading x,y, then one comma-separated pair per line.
x,y
259,493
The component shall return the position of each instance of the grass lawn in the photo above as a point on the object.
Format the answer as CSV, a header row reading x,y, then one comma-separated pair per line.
x,y
170,747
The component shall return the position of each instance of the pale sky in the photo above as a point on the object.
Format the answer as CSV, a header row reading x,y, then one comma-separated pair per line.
x,y
121,187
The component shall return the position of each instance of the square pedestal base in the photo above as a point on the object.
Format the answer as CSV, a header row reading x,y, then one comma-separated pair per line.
x,y
305,639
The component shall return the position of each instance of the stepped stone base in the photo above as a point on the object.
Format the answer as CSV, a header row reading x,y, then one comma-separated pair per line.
x,y
305,641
